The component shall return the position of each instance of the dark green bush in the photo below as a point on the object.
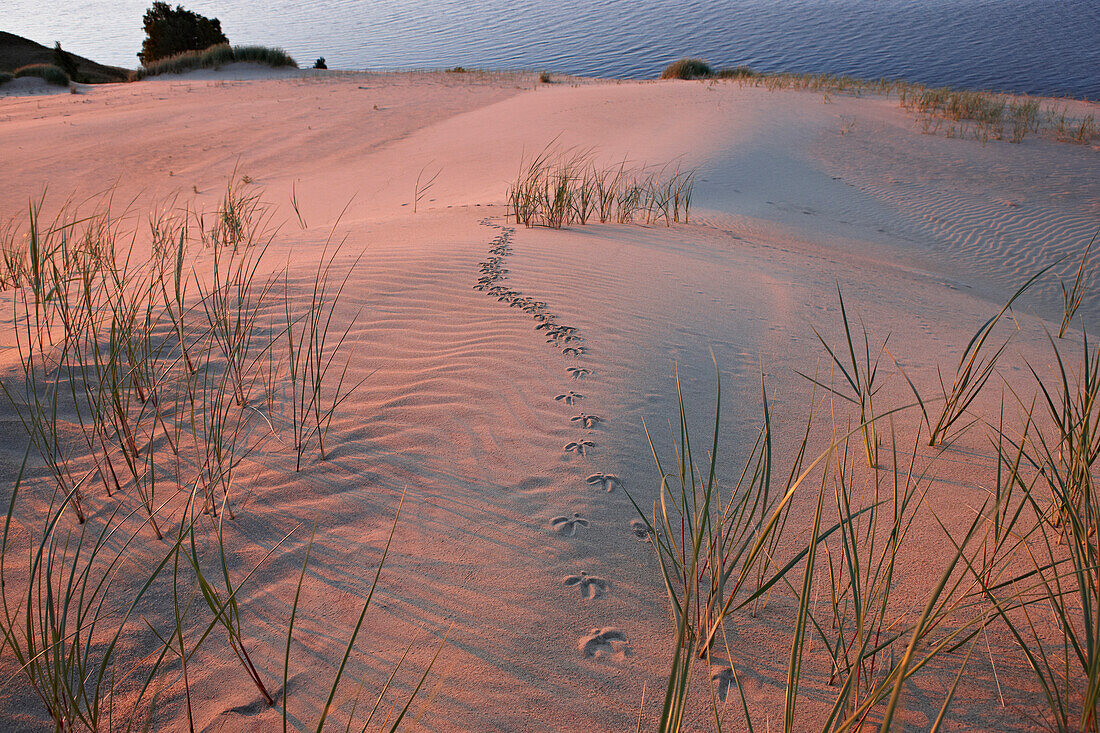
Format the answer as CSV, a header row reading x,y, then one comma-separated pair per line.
x,y
169,32
687,69
320,63
50,73
737,72
5,77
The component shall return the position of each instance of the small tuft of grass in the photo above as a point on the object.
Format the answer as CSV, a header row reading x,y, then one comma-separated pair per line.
x,y
48,72
687,68
736,72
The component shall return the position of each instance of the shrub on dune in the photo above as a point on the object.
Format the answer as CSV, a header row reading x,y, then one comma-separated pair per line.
x,y
215,57
687,69
5,77
48,72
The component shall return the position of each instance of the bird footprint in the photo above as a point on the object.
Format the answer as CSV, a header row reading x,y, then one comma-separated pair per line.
x,y
578,372
640,530
572,350
608,481
568,525
588,421
721,677
590,586
580,447
604,641
569,397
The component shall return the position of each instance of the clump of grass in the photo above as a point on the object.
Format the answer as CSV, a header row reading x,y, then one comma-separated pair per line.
x,y
556,189
687,68
65,627
242,220
545,78
215,57
317,381
1087,130
126,385
709,549
1025,118
1052,514
274,57
5,77
47,72
736,72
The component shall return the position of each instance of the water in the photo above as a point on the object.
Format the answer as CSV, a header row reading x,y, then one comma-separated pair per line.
x,y
1035,46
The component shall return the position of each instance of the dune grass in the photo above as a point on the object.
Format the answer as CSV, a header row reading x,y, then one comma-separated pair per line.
x,y
735,72
141,398
709,550
215,57
981,115
559,188
687,68
1026,562
1071,298
47,72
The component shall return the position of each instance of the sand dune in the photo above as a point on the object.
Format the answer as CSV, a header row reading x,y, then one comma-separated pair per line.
x,y
517,541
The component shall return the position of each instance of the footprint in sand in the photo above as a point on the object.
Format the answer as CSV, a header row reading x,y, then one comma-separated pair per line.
x,y
580,447
609,641
590,586
588,421
568,525
569,397
547,323
578,372
534,307
606,481
572,350
640,530
721,677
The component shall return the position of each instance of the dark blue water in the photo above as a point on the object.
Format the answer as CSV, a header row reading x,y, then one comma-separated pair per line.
x,y
1035,46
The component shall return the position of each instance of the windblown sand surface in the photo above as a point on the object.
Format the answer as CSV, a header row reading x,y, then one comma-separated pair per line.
x,y
926,237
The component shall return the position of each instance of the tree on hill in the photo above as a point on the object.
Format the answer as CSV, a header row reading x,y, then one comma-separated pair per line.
x,y
171,31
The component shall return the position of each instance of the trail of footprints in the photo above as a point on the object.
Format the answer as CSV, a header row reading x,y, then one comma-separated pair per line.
x,y
492,280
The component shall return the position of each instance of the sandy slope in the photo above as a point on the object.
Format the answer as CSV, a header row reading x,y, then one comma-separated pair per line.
x,y
925,235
